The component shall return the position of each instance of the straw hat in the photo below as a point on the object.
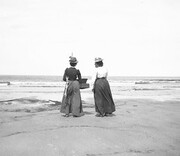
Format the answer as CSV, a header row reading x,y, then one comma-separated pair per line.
x,y
98,59
73,59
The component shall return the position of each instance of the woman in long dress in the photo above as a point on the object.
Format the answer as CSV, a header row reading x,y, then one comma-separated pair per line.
x,y
104,104
71,103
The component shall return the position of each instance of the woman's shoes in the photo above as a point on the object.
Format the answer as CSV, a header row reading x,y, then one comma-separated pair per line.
x,y
108,114
99,115
105,114
66,115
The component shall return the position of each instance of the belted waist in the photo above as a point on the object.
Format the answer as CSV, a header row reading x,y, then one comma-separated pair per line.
x,y
100,78
73,80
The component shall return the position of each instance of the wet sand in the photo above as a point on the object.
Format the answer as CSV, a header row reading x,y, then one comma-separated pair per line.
x,y
140,126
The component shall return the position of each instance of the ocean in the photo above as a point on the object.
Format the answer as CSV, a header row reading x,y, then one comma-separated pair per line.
x,y
124,83
32,90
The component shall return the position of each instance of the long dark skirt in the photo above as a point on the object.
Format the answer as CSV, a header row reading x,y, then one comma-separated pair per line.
x,y
103,97
71,102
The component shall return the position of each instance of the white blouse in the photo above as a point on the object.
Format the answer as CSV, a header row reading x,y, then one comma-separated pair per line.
x,y
99,73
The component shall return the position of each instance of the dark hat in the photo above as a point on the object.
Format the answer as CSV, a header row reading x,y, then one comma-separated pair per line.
x,y
98,59
73,59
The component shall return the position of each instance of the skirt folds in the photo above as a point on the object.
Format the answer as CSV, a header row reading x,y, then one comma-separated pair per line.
x,y
103,97
71,102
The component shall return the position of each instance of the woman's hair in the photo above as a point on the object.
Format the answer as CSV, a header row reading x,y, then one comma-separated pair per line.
x,y
99,64
73,64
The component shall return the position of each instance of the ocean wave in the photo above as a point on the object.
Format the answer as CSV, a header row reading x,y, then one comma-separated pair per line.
x,y
148,89
4,83
37,84
143,82
166,80
43,86
158,81
123,85
171,87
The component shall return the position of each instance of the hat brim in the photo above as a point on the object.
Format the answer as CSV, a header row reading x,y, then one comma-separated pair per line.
x,y
98,61
73,61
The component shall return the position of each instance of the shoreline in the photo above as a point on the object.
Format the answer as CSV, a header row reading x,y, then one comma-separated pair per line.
x,y
138,127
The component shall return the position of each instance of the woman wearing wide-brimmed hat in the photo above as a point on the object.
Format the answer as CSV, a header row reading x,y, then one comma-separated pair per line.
x,y
71,103
104,104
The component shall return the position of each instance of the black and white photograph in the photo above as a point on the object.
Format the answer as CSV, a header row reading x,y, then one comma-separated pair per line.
x,y
89,78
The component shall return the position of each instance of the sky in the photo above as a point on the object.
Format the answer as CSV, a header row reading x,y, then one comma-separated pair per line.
x,y
134,37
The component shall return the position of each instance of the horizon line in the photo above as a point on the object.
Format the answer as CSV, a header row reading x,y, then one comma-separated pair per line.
x,y
85,75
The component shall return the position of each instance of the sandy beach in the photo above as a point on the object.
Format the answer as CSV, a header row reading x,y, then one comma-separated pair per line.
x,y
145,123
137,42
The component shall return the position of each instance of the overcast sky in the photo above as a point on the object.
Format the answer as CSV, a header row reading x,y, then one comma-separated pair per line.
x,y
134,37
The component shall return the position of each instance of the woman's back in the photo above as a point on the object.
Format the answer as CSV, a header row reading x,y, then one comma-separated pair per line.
x,y
72,74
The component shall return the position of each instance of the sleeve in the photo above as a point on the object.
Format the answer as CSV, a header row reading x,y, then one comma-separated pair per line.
x,y
79,74
64,76
93,78
106,75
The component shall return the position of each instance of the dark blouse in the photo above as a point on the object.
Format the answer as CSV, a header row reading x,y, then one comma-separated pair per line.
x,y
72,74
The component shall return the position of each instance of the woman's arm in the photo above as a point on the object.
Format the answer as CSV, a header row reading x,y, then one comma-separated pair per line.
x,y
93,79
79,75
64,76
